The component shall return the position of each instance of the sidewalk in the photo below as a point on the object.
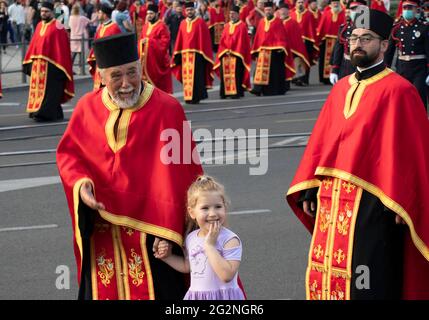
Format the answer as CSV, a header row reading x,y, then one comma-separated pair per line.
x,y
11,66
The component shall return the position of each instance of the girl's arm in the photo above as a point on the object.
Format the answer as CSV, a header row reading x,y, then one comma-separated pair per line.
x,y
165,254
178,263
224,269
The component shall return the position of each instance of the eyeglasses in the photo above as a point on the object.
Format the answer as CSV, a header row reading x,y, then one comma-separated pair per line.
x,y
363,39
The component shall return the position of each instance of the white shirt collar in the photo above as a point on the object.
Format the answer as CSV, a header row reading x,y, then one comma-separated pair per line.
x,y
374,65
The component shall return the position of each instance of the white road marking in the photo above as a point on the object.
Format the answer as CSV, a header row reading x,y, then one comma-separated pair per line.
x,y
301,140
33,126
18,184
295,120
46,226
250,211
27,152
13,104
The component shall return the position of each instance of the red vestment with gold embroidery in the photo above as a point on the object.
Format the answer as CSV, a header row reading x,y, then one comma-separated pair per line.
x,y
235,42
372,135
50,44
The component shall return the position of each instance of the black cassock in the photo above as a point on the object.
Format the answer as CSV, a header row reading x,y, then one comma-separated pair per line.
x,y
50,108
277,80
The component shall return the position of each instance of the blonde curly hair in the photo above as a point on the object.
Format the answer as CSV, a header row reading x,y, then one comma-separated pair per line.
x,y
203,183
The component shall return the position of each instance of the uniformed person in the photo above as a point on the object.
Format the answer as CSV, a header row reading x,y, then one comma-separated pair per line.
x,y
340,59
411,37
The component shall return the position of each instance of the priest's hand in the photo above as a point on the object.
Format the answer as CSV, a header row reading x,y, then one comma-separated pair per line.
x,y
333,78
399,220
88,198
309,208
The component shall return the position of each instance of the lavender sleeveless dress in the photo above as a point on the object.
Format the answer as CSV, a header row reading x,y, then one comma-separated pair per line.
x,y
205,284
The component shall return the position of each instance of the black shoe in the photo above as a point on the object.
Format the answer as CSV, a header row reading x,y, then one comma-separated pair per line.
x,y
39,119
256,93
299,83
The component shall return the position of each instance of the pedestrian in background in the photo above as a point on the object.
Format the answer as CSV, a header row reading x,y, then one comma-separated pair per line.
x,y
17,19
122,17
173,22
78,30
4,17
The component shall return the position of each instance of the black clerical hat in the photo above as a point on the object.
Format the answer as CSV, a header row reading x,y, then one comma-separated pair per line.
x,y
116,50
189,4
153,8
379,22
268,4
235,8
48,5
106,8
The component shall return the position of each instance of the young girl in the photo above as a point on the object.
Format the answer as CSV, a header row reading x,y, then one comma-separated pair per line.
x,y
213,252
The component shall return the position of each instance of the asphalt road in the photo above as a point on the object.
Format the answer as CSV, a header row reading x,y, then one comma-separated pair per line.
x,y
35,227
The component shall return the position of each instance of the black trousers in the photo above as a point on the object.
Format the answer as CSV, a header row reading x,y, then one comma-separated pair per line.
x,y
416,72
322,64
310,49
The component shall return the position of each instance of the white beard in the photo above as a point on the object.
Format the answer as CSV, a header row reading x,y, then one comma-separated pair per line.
x,y
127,103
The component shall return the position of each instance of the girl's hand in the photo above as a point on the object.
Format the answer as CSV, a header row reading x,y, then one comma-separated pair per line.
x,y
164,249
213,233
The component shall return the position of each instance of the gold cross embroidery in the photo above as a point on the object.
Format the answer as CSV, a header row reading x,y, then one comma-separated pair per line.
x,y
318,251
327,183
339,256
349,187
